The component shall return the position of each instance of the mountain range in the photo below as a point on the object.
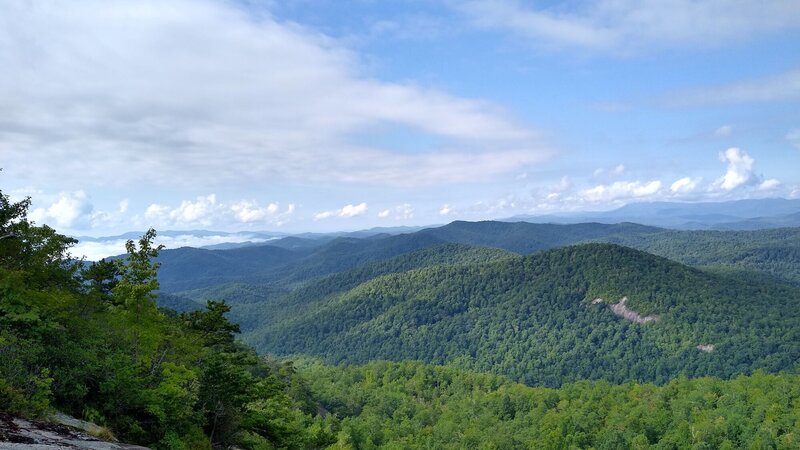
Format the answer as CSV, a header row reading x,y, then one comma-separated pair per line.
x,y
543,304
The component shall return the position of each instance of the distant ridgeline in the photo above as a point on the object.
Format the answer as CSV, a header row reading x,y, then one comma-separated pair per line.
x,y
464,294
516,299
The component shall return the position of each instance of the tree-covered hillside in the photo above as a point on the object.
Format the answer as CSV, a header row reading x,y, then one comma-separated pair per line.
x,y
253,306
262,274
408,405
534,319
775,252
89,340
290,261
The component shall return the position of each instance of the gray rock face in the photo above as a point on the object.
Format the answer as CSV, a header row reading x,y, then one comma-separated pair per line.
x,y
623,311
17,433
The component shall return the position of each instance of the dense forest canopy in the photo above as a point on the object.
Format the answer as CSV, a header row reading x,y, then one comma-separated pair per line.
x,y
89,339
534,319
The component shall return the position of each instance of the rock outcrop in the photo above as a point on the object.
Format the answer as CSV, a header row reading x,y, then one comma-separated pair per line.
x,y
17,433
623,311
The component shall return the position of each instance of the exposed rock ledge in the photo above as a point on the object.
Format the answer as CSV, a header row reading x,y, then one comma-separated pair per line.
x,y
623,311
22,434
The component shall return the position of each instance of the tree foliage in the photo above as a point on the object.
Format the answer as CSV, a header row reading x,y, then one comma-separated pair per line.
x,y
533,318
89,340
412,405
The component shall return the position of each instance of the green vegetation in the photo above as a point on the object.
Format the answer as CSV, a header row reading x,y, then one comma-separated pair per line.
x,y
285,263
531,318
91,342
410,405
775,252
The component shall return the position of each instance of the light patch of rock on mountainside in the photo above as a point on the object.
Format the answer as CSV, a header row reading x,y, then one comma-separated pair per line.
x,y
623,311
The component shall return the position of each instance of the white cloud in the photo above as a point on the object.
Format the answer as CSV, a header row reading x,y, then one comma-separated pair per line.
x,y
445,210
250,211
794,138
723,131
123,206
740,170
631,25
780,87
182,92
620,190
404,211
346,211
325,215
384,214
684,185
353,210
156,212
200,211
207,211
564,184
768,185
614,171
71,210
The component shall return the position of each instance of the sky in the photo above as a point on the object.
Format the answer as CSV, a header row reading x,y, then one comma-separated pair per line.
x,y
301,115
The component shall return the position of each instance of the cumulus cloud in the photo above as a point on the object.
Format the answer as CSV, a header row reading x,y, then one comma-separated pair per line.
x,y
353,210
206,91
250,211
71,210
206,211
404,211
631,25
445,210
563,185
401,212
123,206
620,190
740,170
346,211
684,185
769,184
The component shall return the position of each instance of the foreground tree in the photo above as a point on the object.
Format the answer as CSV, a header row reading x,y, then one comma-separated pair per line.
x,y
88,339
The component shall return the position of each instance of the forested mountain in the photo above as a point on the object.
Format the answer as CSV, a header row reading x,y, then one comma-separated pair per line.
x,y
534,319
775,252
252,311
268,284
88,340
291,260
286,262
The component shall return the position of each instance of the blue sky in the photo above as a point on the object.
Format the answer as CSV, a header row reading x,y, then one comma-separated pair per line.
x,y
340,115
